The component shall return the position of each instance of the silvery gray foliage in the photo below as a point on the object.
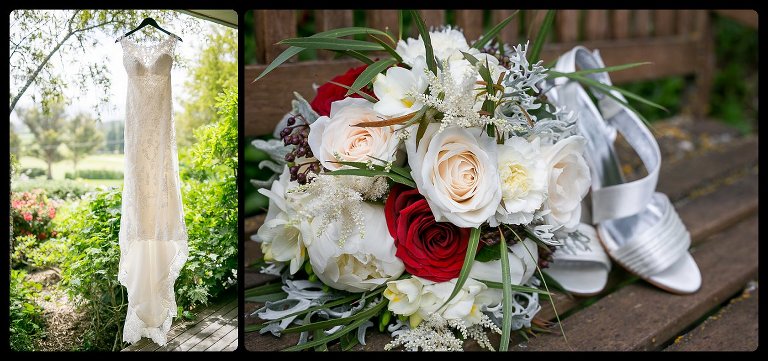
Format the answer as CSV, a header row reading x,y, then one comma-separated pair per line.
x,y
522,311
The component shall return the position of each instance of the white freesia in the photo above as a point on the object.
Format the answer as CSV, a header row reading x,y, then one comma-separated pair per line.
x,y
569,180
282,234
522,264
358,263
404,296
337,135
467,305
398,89
523,177
455,170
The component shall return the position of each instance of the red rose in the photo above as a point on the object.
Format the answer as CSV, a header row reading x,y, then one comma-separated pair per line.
x,y
329,93
429,249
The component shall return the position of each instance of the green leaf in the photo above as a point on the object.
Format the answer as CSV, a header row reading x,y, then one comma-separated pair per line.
x,y
323,325
515,288
388,49
487,37
607,69
331,44
541,36
263,290
357,55
474,239
430,53
360,165
290,52
372,173
358,92
346,329
370,73
506,307
607,89
487,254
423,124
399,25
267,297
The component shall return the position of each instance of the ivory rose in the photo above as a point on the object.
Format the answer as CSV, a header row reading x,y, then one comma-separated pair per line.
x,y
569,181
456,172
337,135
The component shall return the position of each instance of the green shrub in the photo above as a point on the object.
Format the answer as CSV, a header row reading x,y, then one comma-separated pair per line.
x,y
26,321
28,252
63,189
209,179
33,172
95,174
32,213
89,271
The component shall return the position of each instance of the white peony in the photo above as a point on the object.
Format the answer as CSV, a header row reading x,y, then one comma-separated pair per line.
x,y
337,135
282,234
522,264
569,180
523,177
456,172
358,263
404,296
398,90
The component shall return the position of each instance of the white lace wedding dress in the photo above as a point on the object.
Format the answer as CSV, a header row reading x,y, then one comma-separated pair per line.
x,y
153,236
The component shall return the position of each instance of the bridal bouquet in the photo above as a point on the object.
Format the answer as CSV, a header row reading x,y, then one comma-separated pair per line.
x,y
420,193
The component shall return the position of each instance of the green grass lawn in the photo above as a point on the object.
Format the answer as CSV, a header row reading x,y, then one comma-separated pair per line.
x,y
100,161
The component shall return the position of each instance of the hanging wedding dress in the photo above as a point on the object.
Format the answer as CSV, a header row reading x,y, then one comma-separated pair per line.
x,y
153,237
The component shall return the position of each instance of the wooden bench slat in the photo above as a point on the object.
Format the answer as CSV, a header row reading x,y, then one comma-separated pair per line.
x,y
641,317
642,24
620,24
596,25
270,27
383,20
733,328
664,22
471,21
509,33
567,25
432,18
533,21
331,19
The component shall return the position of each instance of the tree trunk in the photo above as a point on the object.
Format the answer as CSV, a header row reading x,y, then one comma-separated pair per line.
x,y
50,169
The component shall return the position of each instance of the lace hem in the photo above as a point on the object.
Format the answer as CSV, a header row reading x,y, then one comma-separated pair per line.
x,y
134,328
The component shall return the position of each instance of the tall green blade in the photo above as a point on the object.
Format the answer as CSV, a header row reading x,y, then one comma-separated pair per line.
x,y
487,37
331,44
506,307
541,36
430,53
474,239
370,73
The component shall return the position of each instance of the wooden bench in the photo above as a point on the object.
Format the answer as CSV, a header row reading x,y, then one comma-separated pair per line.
x,y
709,171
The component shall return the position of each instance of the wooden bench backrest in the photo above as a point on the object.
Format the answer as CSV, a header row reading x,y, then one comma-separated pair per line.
x,y
677,42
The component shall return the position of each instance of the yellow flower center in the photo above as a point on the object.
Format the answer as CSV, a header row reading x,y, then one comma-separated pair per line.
x,y
515,180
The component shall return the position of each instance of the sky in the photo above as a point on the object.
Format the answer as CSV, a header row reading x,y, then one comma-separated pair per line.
x,y
112,52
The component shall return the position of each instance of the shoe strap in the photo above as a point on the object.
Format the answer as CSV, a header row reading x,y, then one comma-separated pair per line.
x,y
574,250
628,198
657,247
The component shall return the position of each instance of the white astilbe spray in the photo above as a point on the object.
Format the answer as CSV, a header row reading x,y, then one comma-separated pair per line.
x,y
339,198
456,100
438,334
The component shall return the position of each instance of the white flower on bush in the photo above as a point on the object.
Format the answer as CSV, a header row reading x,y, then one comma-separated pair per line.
x,y
569,180
522,264
523,177
281,235
404,296
398,89
358,263
337,135
455,170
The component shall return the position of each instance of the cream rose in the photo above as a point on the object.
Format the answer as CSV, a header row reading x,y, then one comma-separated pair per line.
x,y
337,135
523,177
356,264
456,172
569,180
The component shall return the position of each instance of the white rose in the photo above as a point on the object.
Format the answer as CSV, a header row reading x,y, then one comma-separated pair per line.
x,y
398,88
357,264
281,234
338,135
522,264
569,181
455,170
467,305
404,296
523,177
